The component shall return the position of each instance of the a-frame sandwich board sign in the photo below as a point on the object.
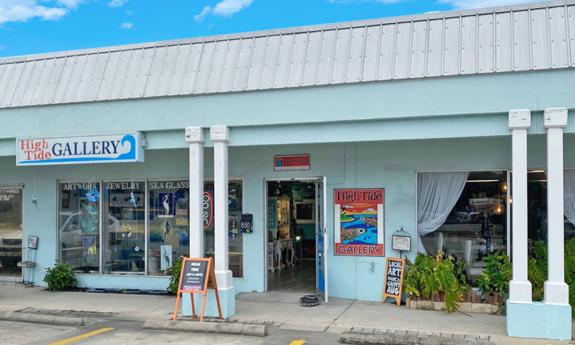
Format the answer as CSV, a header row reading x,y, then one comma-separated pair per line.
x,y
197,276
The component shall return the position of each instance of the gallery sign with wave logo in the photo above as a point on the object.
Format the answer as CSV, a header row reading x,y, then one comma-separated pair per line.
x,y
111,148
359,222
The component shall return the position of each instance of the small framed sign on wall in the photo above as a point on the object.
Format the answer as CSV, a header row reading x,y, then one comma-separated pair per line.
x,y
32,242
292,162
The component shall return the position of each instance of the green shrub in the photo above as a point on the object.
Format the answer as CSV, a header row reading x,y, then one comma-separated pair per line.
x,y
496,275
537,269
175,278
60,277
430,275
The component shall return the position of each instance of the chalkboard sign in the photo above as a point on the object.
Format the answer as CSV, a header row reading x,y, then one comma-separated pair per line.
x,y
393,279
247,223
194,275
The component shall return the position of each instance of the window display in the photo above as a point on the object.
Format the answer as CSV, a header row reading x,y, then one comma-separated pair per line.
x,y
235,238
79,225
477,224
127,238
168,224
123,236
537,200
10,230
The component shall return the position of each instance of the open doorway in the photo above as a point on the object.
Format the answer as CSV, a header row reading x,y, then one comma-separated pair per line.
x,y
292,224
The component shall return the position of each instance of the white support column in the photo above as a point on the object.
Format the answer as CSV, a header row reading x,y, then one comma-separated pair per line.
x,y
220,136
195,138
519,287
556,291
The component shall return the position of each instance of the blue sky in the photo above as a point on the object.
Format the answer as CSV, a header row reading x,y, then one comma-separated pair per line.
x,y
36,26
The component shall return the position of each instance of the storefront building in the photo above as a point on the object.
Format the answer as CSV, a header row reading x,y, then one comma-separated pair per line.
x,y
253,148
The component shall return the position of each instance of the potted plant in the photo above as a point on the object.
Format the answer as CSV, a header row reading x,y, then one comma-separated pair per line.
x,y
60,277
494,280
436,279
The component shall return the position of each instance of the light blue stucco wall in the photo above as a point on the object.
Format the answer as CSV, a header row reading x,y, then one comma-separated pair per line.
x,y
360,135
391,165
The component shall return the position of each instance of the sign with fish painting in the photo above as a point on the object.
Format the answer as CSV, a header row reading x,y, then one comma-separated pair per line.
x,y
359,222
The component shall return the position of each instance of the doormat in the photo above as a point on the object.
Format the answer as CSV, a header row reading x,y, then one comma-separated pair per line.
x,y
309,301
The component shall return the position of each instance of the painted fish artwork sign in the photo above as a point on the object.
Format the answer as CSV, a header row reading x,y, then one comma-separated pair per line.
x,y
359,222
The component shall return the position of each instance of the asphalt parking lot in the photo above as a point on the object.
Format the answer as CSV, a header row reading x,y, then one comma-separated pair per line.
x,y
124,332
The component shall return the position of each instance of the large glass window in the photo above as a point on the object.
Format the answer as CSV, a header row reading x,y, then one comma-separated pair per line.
x,y
477,224
79,225
537,207
10,230
235,238
168,205
136,225
124,227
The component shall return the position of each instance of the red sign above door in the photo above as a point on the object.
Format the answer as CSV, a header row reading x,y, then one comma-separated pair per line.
x,y
291,162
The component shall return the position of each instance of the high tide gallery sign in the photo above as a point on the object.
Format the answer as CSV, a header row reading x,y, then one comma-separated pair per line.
x,y
359,222
119,148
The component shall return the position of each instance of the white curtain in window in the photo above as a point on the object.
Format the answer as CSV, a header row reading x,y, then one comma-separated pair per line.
x,y
569,190
437,194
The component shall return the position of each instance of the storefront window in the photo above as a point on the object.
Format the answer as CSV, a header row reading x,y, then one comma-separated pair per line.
x,y
477,224
127,238
168,205
79,225
537,209
124,227
10,230
235,238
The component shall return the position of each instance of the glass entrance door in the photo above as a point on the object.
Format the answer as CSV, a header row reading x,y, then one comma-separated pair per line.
x,y
10,231
322,241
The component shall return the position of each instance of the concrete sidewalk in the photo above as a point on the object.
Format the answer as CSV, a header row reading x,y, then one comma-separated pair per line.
x,y
279,310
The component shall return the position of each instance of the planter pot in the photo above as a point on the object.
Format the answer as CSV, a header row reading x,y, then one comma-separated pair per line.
x,y
426,305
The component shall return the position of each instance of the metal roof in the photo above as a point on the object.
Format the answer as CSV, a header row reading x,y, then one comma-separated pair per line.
x,y
506,39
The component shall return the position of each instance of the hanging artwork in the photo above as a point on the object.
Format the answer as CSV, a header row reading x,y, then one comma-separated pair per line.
x,y
359,222
165,205
165,257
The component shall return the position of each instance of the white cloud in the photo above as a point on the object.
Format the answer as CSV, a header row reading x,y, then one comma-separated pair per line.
x,y
117,3
203,13
352,1
467,4
126,25
70,3
24,10
230,7
224,8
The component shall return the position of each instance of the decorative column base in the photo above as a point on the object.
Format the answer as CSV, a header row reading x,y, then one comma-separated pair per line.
x,y
224,279
556,293
539,320
520,291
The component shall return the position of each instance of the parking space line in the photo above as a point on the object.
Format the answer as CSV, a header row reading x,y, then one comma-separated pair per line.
x,y
297,342
82,336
